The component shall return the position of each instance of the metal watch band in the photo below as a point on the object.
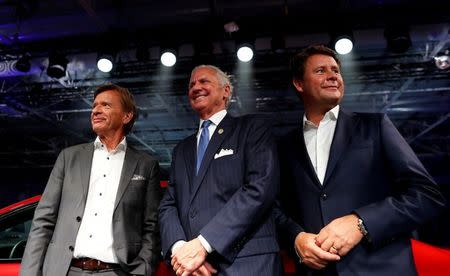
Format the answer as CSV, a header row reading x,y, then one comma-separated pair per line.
x,y
362,228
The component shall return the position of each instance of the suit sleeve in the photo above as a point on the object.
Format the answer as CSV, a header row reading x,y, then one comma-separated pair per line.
x,y
151,244
44,221
170,225
287,228
419,199
253,199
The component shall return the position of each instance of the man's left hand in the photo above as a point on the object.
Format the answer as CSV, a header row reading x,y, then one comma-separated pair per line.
x,y
189,257
340,235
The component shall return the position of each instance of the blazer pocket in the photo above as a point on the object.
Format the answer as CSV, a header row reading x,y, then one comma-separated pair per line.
x,y
227,157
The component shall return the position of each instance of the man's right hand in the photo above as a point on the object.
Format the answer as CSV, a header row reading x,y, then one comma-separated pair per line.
x,y
205,270
312,255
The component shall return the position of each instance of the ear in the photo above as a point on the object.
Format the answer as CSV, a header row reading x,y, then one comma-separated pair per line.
x,y
227,93
298,85
127,117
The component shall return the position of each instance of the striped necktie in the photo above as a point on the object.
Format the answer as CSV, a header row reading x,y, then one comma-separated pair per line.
x,y
203,143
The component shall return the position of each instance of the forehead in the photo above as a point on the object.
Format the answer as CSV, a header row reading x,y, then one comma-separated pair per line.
x,y
201,73
321,60
108,95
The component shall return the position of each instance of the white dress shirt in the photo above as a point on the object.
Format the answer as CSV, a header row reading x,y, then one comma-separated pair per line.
x,y
95,237
318,140
215,121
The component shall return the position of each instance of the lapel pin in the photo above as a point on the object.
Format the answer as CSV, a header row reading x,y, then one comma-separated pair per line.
x,y
220,131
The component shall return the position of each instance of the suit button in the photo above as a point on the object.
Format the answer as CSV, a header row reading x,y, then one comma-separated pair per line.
x,y
78,218
324,196
71,248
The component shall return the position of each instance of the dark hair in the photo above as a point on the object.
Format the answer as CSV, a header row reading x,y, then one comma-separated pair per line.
x,y
127,100
298,61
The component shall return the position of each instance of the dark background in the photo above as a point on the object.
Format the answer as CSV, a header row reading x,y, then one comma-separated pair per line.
x,y
390,70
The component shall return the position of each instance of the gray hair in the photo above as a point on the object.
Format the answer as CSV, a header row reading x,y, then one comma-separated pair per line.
x,y
222,77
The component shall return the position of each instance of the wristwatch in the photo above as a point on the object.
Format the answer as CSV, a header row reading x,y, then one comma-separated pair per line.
x,y
362,229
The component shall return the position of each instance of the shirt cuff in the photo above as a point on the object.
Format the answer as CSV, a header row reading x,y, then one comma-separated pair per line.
x,y
177,245
205,244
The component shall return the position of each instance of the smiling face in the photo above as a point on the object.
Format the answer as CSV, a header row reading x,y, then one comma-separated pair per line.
x,y
108,116
322,86
207,95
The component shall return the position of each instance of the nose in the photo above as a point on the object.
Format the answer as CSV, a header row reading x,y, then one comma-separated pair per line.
x,y
331,75
195,86
96,110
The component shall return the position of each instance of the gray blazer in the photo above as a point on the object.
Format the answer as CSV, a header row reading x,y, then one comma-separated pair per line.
x,y
60,211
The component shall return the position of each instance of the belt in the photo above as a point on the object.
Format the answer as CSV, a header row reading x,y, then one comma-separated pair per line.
x,y
92,264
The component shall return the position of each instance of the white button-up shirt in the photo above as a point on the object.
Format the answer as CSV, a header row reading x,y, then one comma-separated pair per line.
x,y
318,140
95,237
215,121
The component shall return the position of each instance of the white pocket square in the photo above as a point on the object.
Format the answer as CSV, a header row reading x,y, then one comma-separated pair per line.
x,y
137,177
223,152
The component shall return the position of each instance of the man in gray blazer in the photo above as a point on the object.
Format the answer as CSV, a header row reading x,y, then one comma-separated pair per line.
x,y
98,213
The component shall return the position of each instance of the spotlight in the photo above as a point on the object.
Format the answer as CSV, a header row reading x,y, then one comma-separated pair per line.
x,y
231,27
168,58
278,44
442,62
23,64
57,65
397,38
343,45
105,63
245,53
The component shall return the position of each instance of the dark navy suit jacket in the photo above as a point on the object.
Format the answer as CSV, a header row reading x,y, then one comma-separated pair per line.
x,y
372,172
229,202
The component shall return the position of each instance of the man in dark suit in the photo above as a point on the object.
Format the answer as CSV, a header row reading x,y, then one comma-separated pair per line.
x,y
216,213
98,213
352,188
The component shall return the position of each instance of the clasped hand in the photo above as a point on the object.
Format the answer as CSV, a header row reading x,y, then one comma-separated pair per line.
x,y
334,241
190,259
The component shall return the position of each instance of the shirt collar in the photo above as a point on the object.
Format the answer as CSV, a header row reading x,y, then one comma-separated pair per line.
x,y
332,114
215,119
122,146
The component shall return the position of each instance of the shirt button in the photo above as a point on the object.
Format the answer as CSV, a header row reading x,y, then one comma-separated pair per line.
x,y
104,175
95,214
90,236
100,194
107,158
78,218
324,196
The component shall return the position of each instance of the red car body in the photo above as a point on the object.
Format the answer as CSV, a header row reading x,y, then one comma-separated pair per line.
x,y
21,213
10,266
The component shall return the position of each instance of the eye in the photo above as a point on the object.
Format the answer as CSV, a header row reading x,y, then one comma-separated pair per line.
x,y
320,70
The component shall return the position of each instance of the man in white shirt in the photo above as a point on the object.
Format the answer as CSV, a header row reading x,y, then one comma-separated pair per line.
x,y
98,213
351,187
216,215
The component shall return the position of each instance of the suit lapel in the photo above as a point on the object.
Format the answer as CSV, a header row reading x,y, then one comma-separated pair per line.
x,y
85,168
128,169
190,153
344,130
216,140
303,155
